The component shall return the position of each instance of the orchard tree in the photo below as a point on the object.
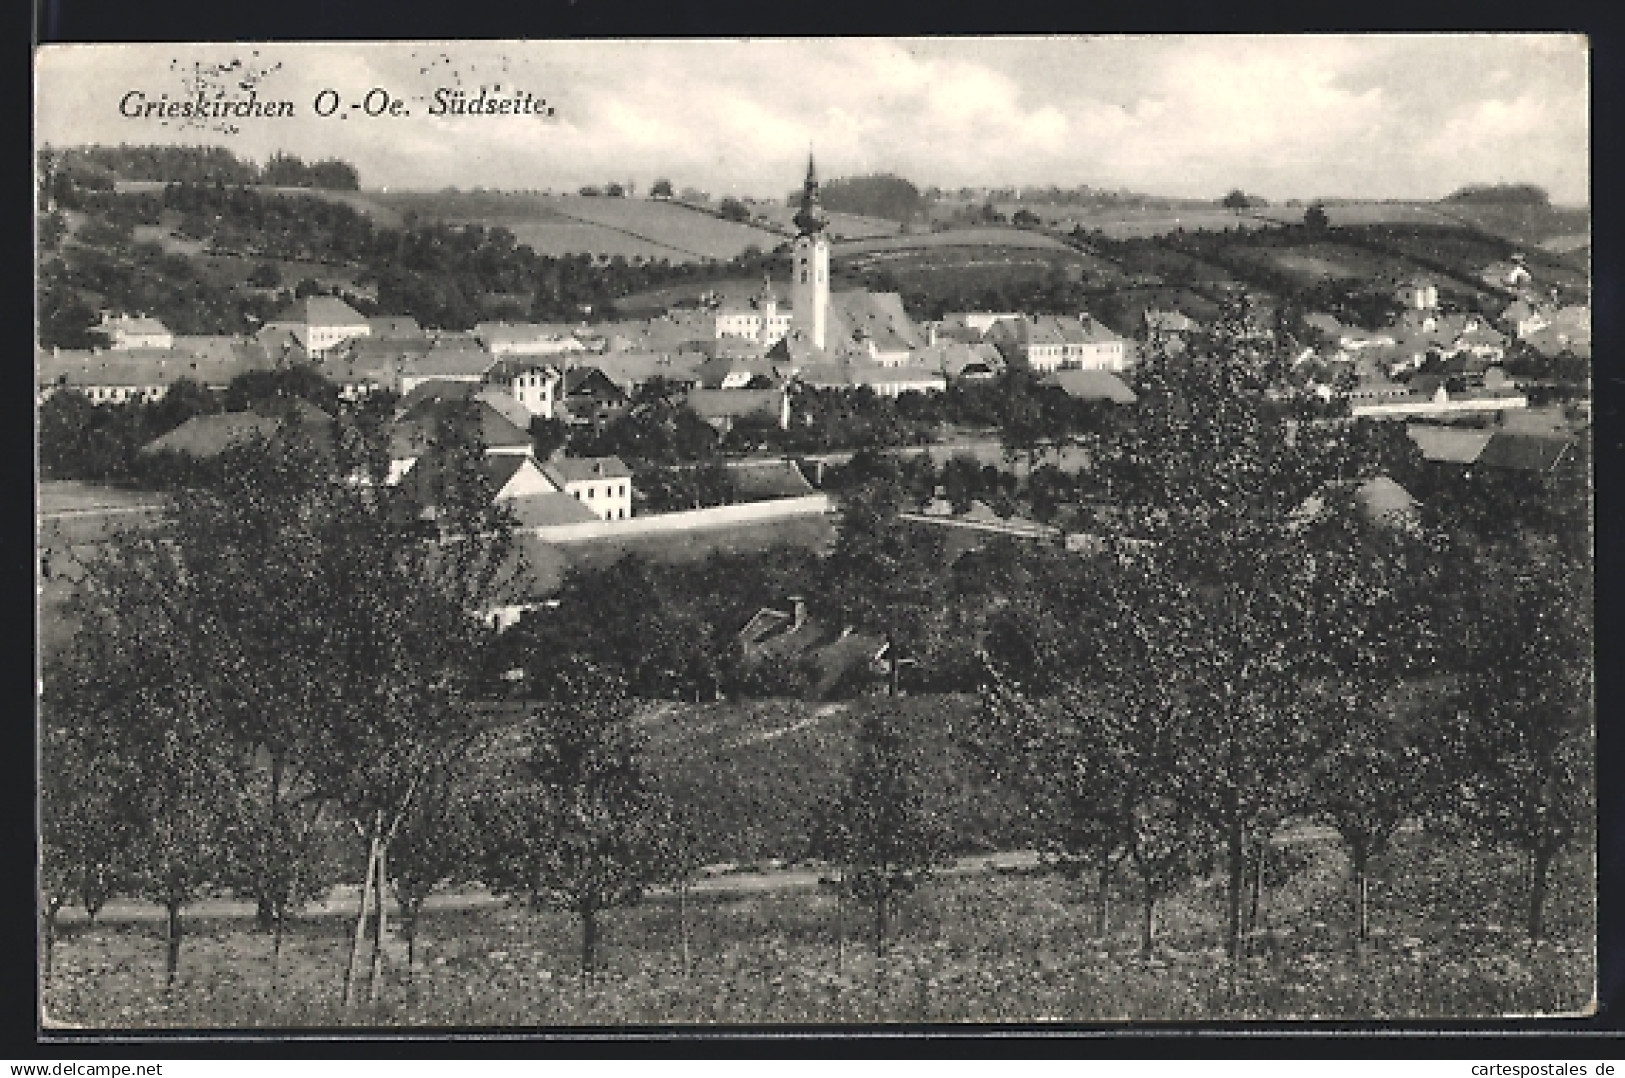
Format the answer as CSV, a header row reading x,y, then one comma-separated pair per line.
x,y
885,841
133,699
581,833
1523,734
432,846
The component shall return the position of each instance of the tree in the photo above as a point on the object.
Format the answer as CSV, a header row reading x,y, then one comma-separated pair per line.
x,y
1025,218
732,209
1237,200
84,839
881,834
661,188
1370,625
1315,219
547,436
581,834
132,698
432,846
1522,736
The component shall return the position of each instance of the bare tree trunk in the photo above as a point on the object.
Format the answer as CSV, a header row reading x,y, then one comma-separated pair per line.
x,y
1148,923
1258,890
379,881
881,912
276,940
589,942
682,923
361,913
1237,857
172,951
1361,925
1541,865
840,923
1103,899
51,910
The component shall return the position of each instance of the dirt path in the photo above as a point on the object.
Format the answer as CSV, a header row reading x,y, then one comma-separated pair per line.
x,y
341,900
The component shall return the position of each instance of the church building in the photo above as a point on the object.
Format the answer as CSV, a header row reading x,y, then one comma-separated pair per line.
x,y
760,319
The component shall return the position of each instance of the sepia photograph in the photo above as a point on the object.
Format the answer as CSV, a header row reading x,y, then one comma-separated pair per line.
x,y
814,533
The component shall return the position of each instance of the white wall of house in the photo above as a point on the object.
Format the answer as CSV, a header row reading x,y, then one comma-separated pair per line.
x,y
608,496
536,391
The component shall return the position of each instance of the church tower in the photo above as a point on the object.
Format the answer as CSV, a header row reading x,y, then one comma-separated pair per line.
x,y
809,285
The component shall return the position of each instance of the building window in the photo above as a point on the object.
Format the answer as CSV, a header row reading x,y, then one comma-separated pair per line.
x,y
590,492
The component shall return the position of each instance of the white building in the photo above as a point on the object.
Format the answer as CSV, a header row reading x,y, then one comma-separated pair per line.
x,y
127,332
602,484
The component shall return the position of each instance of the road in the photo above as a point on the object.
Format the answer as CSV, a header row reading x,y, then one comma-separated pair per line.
x,y
718,880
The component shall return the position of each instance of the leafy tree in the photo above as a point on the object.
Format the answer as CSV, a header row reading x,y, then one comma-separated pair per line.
x,y
661,188
882,575
1025,218
1522,736
1315,218
84,838
1237,200
881,834
582,833
132,697
732,209
432,846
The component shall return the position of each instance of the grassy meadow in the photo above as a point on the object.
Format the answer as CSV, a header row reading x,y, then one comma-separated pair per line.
x,y
999,946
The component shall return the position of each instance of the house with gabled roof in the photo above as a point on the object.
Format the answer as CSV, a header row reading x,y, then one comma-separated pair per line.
x,y
321,323
205,437
127,331
602,484
722,408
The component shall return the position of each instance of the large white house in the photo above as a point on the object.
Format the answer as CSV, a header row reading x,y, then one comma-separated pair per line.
x,y
322,323
602,484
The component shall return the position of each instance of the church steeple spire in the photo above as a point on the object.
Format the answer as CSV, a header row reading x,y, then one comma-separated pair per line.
x,y
811,217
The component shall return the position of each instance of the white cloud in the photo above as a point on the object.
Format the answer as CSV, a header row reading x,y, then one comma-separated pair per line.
x,y
1289,116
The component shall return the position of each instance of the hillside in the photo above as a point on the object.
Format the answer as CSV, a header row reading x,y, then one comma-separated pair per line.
x,y
579,224
753,772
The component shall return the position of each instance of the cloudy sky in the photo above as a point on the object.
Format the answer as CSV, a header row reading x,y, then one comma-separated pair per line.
x,y
1284,117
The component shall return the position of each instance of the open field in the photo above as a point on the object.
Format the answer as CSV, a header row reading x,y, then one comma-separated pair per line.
x,y
1341,214
958,237
999,946
579,224
841,226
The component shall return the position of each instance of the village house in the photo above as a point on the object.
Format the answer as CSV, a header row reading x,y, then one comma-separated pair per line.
x,y
146,374
527,339
321,324
445,361
206,437
757,318
126,332
723,408
602,484
537,387
1059,342
967,327
1512,274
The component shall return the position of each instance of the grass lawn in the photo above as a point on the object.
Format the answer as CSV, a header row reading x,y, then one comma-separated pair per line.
x,y
1013,946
